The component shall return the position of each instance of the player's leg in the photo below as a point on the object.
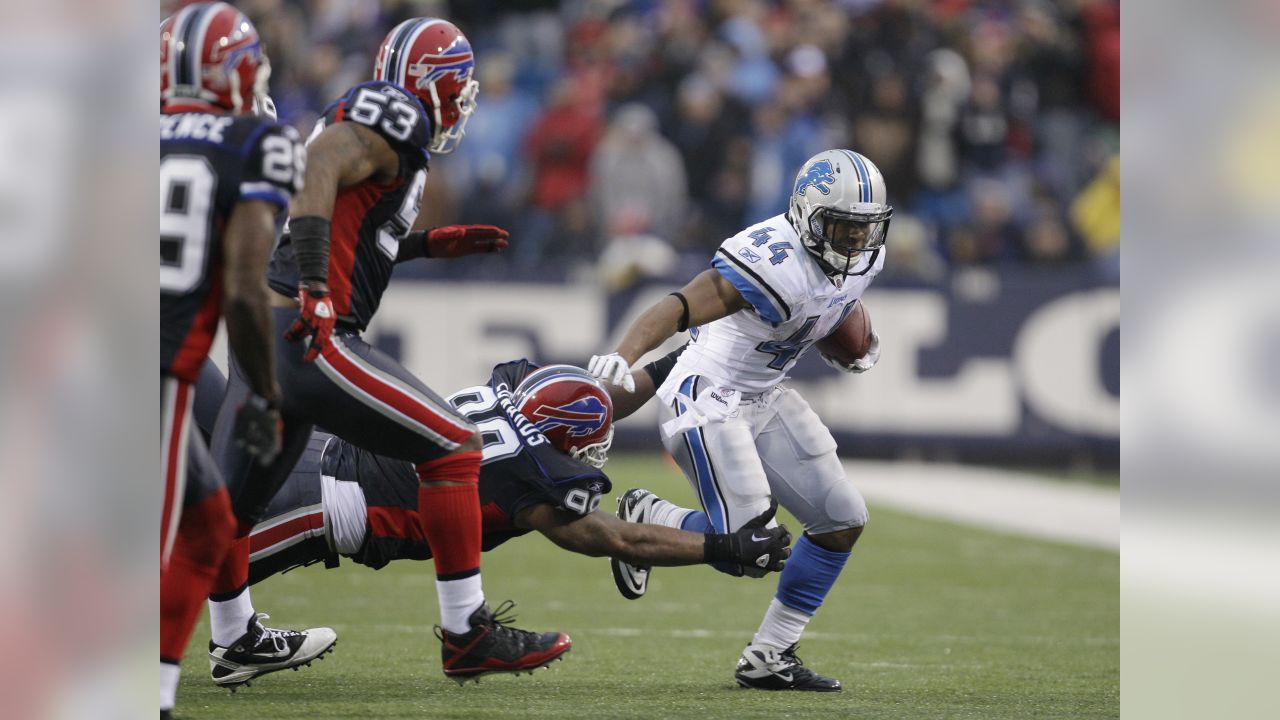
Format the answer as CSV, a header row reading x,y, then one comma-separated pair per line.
x,y
292,534
370,400
719,461
808,479
198,545
252,486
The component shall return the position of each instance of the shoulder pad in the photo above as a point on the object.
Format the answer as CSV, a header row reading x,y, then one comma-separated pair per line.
x,y
761,263
387,109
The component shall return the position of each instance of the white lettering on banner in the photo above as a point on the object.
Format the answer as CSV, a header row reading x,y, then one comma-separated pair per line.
x,y
453,333
979,400
1056,358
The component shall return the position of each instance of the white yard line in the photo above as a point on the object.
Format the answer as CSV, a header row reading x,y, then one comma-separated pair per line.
x,y
1001,500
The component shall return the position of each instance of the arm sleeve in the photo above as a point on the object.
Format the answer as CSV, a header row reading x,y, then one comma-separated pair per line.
x,y
659,369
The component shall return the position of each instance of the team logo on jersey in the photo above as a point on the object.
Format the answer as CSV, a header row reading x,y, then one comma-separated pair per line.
x,y
819,175
582,417
749,255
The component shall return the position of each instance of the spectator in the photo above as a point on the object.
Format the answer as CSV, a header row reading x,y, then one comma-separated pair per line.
x,y
638,172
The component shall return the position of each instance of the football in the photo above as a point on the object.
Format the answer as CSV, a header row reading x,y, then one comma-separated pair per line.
x,y
851,339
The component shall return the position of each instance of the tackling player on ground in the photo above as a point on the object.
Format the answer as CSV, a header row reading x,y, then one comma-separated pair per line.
x,y
348,228
225,176
740,437
546,431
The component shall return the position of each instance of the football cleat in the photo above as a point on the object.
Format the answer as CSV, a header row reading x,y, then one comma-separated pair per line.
x,y
632,580
490,646
764,668
263,650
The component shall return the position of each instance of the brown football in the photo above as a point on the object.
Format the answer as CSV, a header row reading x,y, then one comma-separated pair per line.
x,y
851,339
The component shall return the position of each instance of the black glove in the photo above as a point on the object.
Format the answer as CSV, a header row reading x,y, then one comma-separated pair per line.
x,y
258,429
755,549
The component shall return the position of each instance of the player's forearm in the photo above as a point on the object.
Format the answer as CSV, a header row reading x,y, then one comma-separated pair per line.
x,y
248,318
651,329
658,545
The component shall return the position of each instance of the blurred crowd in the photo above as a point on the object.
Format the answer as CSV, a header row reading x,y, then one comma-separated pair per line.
x,y
638,131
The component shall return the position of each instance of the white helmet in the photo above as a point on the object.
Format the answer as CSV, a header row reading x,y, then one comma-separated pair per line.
x,y
839,208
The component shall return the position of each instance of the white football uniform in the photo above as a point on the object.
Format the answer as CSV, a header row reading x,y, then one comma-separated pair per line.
x,y
737,434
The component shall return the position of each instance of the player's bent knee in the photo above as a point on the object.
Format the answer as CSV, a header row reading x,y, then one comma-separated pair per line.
x,y
839,540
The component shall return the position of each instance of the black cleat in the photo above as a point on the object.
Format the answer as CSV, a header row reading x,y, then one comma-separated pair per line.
x,y
764,668
490,646
263,650
632,580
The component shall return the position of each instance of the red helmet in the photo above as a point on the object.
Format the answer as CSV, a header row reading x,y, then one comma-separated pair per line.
x,y
210,54
432,59
571,408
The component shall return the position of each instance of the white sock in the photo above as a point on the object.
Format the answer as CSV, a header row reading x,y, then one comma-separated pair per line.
x,y
781,627
666,513
229,619
168,684
458,599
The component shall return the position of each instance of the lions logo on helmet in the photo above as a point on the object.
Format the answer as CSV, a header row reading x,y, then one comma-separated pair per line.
x,y
571,408
840,210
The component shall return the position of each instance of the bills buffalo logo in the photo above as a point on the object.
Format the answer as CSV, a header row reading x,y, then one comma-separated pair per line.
x,y
582,417
432,68
818,175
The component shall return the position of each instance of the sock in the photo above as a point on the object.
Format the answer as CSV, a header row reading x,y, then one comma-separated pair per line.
x,y
451,513
203,538
666,513
458,599
781,626
229,616
233,573
169,673
804,584
697,521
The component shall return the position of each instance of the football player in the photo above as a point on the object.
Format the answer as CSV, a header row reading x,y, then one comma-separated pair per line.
x,y
546,435
348,227
225,175
742,438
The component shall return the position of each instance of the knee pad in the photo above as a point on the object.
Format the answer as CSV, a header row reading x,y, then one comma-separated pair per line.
x,y
844,507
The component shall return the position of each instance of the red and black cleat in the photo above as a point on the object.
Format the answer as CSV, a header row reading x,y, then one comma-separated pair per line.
x,y
490,646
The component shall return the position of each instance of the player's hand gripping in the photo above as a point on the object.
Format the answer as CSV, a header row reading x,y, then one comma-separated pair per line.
x,y
862,364
315,318
756,549
258,429
458,240
613,369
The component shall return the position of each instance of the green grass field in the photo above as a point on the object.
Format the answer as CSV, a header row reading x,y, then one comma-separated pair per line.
x,y
929,620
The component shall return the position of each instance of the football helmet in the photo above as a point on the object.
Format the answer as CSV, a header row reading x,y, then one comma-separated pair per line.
x,y
839,208
571,408
432,59
210,54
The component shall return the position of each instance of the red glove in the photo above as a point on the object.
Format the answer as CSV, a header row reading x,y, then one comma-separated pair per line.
x,y
315,319
458,240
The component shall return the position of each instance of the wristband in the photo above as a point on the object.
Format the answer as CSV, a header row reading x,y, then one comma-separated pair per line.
x,y
717,548
310,238
684,316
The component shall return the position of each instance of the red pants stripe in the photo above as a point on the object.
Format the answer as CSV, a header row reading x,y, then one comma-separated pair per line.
x,y
175,423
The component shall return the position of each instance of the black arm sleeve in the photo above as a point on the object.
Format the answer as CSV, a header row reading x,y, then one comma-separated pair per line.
x,y
659,369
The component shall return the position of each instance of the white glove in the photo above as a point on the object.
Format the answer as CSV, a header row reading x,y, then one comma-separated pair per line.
x,y
862,364
613,369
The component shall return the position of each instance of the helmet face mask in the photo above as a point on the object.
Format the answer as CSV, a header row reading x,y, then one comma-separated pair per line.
x,y
571,408
839,209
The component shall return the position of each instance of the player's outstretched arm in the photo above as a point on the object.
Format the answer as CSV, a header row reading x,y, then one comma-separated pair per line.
x,y
709,297
248,240
599,534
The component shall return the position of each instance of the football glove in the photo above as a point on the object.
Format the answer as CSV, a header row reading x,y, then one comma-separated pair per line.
x,y
258,429
458,240
756,550
862,364
315,318
613,369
